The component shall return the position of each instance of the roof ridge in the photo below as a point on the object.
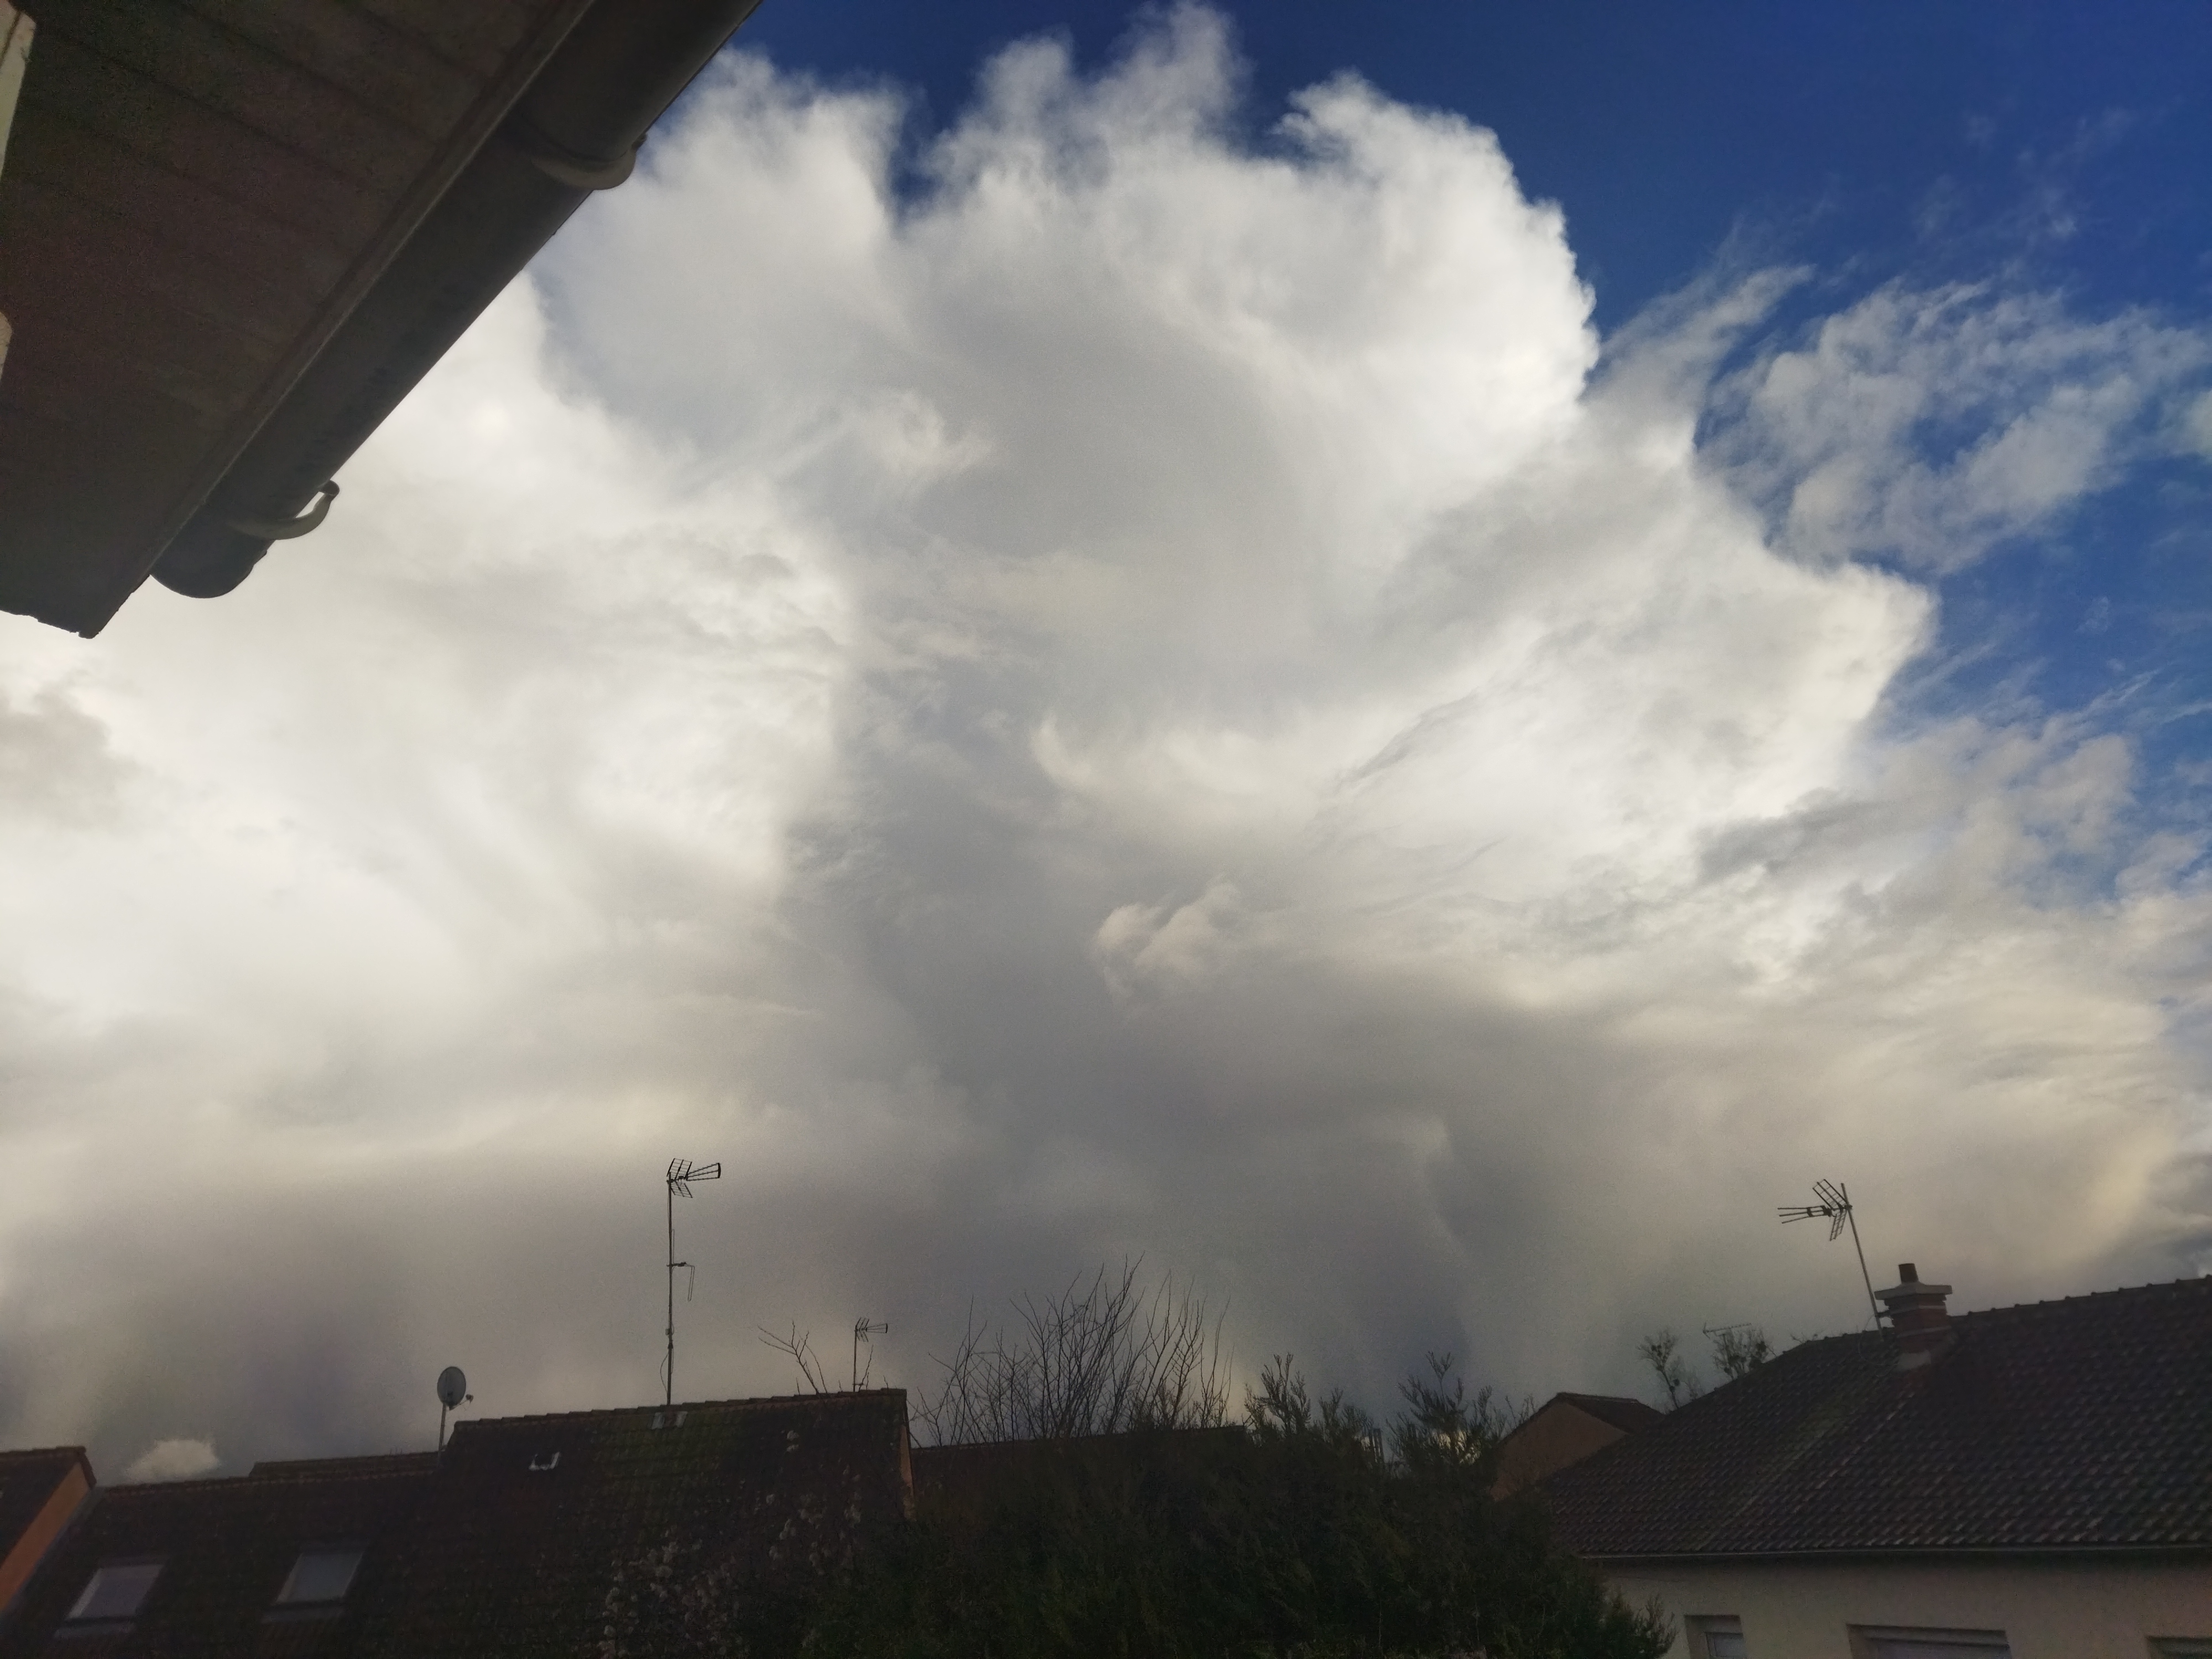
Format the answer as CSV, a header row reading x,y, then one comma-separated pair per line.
x,y
270,1472
2200,1282
1720,1389
197,1483
345,1463
841,1399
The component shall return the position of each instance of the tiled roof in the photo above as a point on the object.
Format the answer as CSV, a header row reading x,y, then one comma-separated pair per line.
x,y
532,1521
509,1542
226,1547
2075,1425
309,1469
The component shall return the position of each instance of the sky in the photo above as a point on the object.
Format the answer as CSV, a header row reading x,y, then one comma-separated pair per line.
x,y
1410,663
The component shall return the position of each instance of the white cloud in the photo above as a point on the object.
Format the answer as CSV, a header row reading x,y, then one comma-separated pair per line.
x,y
172,1460
1140,698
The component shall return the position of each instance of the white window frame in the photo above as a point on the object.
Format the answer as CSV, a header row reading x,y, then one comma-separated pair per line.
x,y
1992,1643
1702,1627
80,1618
290,1603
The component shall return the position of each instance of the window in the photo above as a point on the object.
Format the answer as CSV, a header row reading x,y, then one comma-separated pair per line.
x,y
1902,1643
1718,1638
320,1577
114,1592
542,1462
2182,1647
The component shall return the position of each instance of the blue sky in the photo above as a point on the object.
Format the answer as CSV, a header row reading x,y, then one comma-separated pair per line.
x,y
1065,636
1837,133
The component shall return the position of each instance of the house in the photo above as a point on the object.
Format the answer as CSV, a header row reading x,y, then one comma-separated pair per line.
x,y
233,237
2032,1480
523,1536
538,1530
1563,1430
40,1492
268,1564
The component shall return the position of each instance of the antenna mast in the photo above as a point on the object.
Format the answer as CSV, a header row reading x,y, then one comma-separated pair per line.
x,y
682,1172
1835,1208
864,1328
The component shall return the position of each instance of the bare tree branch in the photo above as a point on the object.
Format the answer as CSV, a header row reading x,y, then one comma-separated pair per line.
x,y
1101,1358
1661,1351
1739,1350
800,1346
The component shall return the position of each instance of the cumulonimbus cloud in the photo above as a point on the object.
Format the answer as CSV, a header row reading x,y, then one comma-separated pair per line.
x,y
1111,684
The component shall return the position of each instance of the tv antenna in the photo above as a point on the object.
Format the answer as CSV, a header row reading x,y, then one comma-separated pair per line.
x,y
682,1172
452,1393
862,1331
1835,1208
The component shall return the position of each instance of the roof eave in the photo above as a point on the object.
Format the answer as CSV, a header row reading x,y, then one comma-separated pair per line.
x,y
573,129
1934,1555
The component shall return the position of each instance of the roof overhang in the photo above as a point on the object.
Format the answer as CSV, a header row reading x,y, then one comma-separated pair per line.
x,y
235,233
1924,1556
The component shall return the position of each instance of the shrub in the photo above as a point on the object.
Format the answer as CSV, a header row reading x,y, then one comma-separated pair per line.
x,y
1312,1533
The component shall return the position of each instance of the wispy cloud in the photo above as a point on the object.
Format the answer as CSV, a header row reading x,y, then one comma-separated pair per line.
x,y
1928,426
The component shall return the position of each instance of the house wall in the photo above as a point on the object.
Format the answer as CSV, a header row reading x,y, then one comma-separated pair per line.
x,y
44,1527
1561,1434
2048,1610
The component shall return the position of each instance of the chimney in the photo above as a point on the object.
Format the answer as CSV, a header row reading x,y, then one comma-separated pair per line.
x,y
1917,1318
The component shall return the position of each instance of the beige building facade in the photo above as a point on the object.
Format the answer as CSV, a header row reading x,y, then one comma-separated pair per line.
x,y
2080,1609
1564,1430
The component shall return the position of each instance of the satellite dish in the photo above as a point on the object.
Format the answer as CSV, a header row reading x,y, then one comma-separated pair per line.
x,y
452,1387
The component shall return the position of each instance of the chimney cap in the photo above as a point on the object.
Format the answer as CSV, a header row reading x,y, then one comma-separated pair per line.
x,y
1909,1286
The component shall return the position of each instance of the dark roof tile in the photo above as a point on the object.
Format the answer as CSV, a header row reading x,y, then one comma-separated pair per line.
x,y
2079,1424
532,1518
